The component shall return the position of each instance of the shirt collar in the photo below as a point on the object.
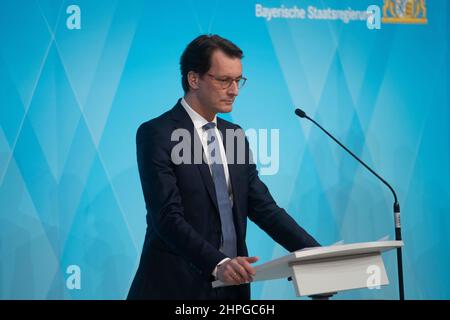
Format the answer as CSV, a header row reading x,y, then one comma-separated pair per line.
x,y
197,119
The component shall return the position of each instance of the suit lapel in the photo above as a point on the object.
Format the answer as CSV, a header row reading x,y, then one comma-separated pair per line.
x,y
207,179
184,121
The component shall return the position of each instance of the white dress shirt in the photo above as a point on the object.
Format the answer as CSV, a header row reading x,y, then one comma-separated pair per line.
x,y
199,122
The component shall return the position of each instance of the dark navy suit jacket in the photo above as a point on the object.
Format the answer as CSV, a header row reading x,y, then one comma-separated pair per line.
x,y
181,247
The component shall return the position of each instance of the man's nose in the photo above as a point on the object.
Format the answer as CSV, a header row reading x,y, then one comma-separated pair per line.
x,y
234,88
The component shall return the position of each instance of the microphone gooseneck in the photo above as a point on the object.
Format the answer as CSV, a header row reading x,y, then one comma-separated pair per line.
x,y
398,233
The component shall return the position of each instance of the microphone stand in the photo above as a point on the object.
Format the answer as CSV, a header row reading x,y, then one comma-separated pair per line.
x,y
398,230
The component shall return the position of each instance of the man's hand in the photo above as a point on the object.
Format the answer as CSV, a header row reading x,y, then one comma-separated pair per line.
x,y
237,270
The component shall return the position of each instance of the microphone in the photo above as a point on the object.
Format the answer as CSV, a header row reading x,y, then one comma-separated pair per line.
x,y
398,232
300,113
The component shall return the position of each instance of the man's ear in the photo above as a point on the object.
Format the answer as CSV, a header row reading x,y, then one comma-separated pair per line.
x,y
193,78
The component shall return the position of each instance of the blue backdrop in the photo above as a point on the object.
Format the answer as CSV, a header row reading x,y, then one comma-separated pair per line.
x,y
76,82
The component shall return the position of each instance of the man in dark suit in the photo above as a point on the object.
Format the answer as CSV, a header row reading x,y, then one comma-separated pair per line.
x,y
200,190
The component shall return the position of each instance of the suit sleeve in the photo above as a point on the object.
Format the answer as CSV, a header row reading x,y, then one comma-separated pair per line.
x,y
275,221
163,201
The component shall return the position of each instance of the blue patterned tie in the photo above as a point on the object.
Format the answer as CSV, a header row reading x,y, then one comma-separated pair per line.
x,y
223,200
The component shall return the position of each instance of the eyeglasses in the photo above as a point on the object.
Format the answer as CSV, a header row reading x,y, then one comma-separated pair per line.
x,y
226,82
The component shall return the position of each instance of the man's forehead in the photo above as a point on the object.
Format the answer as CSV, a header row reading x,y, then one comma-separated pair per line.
x,y
222,62
219,55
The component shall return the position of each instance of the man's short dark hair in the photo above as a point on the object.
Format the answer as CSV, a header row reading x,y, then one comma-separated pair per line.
x,y
197,55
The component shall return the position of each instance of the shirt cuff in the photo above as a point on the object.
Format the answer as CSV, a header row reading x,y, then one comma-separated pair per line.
x,y
214,273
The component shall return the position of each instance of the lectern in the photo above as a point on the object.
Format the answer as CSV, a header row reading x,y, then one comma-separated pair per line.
x,y
323,270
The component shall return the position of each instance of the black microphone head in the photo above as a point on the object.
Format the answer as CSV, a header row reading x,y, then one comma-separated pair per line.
x,y
300,113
